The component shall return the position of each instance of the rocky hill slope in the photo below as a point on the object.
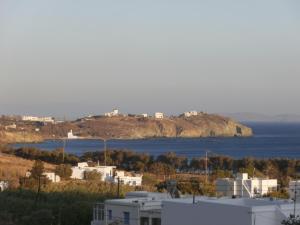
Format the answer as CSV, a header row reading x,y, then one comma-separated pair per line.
x,y
203,125
129,127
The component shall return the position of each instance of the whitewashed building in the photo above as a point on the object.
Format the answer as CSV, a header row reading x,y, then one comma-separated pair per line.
x,y
145,115
159,115
107,172
38,119
115,112
243,186
138,208
213,211
71,135
3,185
11,127
52,177
191,113
131,179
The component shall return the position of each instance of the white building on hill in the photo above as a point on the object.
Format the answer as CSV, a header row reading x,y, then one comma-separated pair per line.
x,y
159,115
138,208
3,185
38,119
130,179
106,172
243,186
115,112
52,177
191,113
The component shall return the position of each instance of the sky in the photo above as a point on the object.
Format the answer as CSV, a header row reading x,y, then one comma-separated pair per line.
x,y
73,58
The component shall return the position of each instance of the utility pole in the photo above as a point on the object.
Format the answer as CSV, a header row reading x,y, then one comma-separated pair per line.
x,y
206,165
63,150
295,198
118,190
104,141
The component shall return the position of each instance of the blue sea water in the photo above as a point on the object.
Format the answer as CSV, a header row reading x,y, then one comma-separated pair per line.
x,y
270,140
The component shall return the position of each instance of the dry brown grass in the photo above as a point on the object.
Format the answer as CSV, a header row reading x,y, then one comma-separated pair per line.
x,y
12,168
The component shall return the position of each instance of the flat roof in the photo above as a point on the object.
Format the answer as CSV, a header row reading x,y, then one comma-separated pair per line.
x,y
246,202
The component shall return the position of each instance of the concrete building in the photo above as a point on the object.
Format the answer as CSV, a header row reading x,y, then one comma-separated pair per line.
x,y
243,186
107,172
131,179
71,135
3,185
241,211
191,113
52,177
145,115
294,189
11,127
115,112
138,208
38,119
159,115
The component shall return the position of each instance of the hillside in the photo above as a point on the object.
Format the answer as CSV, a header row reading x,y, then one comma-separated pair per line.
x,y
133,127
12,167
129,127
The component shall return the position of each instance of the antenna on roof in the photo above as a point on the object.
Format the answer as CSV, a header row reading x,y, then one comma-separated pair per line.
x,y
172,189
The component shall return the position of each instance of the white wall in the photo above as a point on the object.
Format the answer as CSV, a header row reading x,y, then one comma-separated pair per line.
x,y
205,214
118,213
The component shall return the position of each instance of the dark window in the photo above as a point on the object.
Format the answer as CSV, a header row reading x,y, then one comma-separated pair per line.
x,y
126,218
144,221
109,214
156,221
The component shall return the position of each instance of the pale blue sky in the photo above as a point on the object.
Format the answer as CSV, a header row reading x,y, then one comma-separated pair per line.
x,y
63,57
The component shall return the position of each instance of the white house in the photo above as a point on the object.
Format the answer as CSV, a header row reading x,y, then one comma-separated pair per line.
x,y
107,172
115,112
213,211
3,185
145,115
191,113
71,135
52,177
243,186
38,119
11,127
159,115
131,179
294,189
138,208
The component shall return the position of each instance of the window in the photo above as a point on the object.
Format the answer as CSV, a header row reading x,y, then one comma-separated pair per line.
x,y
144,221
156,221
126,218
109,214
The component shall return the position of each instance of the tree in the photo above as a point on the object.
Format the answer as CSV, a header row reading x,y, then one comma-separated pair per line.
x,y
292,220
37,169
64,171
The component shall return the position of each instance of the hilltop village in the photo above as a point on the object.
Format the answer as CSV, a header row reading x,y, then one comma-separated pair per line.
x,y
115,125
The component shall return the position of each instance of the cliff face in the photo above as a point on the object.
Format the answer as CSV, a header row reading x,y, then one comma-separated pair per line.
x,y
203,125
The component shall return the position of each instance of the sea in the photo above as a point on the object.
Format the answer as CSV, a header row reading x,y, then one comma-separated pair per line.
x,y
270,140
